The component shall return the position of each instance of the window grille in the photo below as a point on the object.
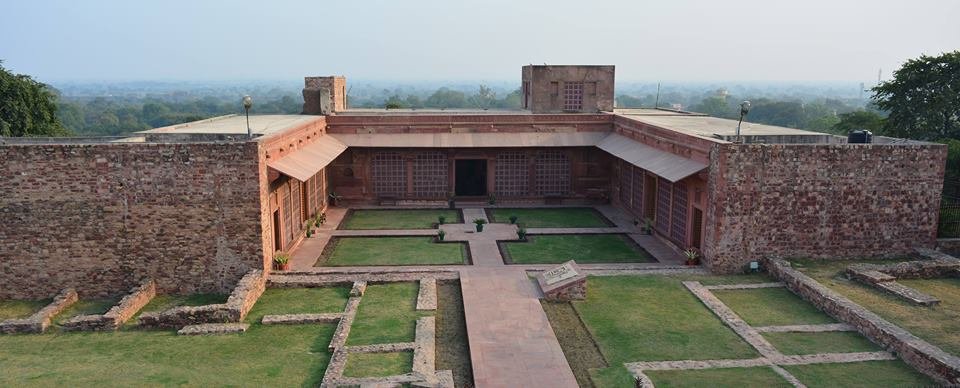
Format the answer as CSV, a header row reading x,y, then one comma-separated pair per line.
x,y
389,174
430,179
573,96
553,173
511,175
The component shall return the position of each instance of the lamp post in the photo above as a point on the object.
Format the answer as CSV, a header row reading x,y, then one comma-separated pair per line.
x,y
247,103
744,109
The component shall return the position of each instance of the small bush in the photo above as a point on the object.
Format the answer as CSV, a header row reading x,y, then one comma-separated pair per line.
x,y
513,219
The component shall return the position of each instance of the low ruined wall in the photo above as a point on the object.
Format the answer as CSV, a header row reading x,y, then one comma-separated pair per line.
x,y
241,300
925,357
117,315
40,321
824,201
99,217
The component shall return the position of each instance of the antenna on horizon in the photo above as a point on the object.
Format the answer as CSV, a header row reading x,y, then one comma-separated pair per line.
x,y
656,103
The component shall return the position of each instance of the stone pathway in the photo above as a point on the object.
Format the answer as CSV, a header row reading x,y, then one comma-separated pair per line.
x,y
770,356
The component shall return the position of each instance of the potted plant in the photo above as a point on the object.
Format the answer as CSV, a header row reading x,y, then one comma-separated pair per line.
x,y
513,219
693,257
479,222
321,218
441,219
522,234
441,234
636,222
492,200
648,226
333,198
281,261
451,203
309,231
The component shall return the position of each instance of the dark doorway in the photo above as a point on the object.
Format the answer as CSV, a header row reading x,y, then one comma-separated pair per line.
x,y
471,176
276,231
697,227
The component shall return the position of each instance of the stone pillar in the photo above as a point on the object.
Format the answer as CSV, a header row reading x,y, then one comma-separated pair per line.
x,y
324,95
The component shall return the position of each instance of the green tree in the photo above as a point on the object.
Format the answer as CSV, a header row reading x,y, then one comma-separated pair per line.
x,y
859,119
923,98
27,107
714,106
447,98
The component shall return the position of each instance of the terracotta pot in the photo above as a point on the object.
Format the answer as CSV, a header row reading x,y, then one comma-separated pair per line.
x,y
283,267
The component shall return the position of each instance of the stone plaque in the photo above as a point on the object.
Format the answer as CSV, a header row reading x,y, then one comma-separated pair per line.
x,y
563,283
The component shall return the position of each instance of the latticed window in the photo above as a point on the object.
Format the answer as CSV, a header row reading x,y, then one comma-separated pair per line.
x,y
295,201
678,229
664,189
553,173
637,192
626,185
430,179
573,96
511,175
389,174
287,215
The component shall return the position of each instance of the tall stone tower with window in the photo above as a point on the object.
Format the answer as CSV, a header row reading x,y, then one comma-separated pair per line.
x,y
567,88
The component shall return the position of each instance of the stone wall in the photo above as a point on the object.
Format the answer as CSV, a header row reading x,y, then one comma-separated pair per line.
x,y
40,321
925,357
99,217
820,201
117,315
241,300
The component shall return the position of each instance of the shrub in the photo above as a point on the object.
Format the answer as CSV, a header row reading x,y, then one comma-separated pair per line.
x,y
521,233
441,234
513,219
479,221
442,219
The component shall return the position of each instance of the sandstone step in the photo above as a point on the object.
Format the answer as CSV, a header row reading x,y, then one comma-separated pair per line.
x,y
910,294
214,329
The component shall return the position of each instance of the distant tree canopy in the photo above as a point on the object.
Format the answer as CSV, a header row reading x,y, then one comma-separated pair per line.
x,y
27,107
859,119
446,98
923,98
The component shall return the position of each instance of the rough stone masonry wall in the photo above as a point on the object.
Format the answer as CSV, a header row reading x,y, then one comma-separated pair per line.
x,y
238,304
100,217
820,201
920,354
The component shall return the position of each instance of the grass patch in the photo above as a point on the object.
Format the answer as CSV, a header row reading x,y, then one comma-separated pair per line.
x,y
726,377
282,355
86,307
350,251
378,364
654,318
550,217
771,307
387,314
613,377
398,218
575,340
826,342
859,374
584,248
938,324
14,309
452,352
301,301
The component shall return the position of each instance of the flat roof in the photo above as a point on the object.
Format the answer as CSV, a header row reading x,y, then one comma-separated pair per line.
x,y
653,112
707,126
470,140
428,111
236,125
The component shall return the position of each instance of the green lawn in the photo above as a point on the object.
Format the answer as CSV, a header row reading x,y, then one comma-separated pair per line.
x,y
282,355
419,250
398,218
771,307
938,324
378,364
303,300
387,314
654,318
86,307
860,374
717,378
584,248
826,342
550,217
10,309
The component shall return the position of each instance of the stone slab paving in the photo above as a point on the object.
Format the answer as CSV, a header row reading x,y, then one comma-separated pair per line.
x,y
731,319
343,327
359,287
511,341
427,297
382,348
805,328
425,346
305,255
214,329
747,286
299,319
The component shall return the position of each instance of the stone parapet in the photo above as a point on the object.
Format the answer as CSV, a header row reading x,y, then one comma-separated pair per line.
x,y
920,354
241,300
40,321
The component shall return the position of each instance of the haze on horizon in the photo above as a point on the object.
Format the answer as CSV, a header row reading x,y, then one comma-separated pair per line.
x,y
688,40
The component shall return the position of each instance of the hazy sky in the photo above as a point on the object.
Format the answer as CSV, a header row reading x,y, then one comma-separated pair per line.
x,y
796,40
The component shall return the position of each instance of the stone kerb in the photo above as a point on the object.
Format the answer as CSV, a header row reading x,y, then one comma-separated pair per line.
x,y
241,300
925,357
564,283
117,315
40,321
884,277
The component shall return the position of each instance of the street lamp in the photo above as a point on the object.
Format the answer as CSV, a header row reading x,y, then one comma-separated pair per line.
x,y
744,109
247,103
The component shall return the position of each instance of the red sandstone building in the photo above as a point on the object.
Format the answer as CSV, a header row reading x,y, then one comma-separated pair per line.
x,y
196,205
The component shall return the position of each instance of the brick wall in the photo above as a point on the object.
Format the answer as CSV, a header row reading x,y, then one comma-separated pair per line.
x,y
101,217
820,201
